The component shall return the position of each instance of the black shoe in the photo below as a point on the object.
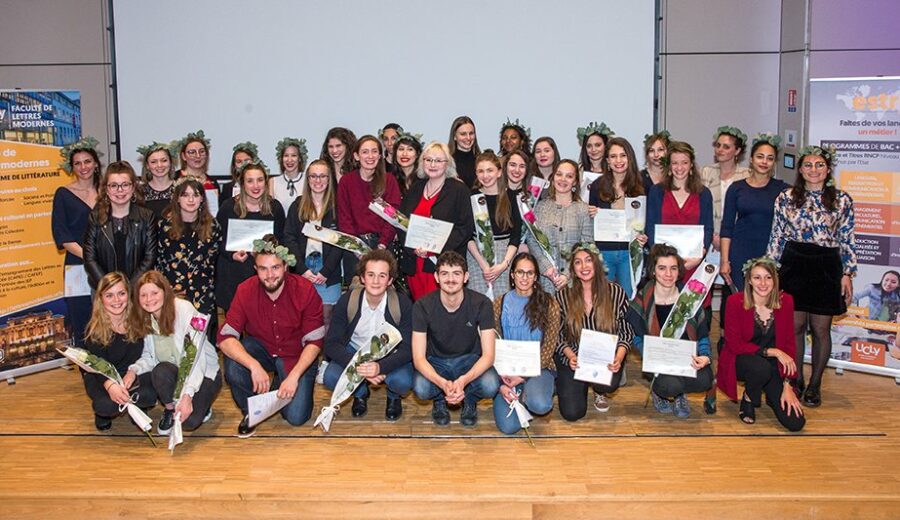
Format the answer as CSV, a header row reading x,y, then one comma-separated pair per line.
x,y
747,413
102,423
439,413
166,422
709,405
360,406
244,429
469,415
394,409
812,397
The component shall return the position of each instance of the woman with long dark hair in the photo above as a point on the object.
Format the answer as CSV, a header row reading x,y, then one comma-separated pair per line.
x,y
72,206
526,313
337,148
813,239
157,176
463,146
291,154
884,298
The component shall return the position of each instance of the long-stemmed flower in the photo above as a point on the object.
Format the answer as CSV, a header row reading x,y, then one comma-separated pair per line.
x,y
390,214
186,367
336,238
528,219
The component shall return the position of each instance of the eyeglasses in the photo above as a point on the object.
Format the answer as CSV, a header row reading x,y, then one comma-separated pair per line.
x,y
121,186
524,274
432,161
317,177
815,166
196,153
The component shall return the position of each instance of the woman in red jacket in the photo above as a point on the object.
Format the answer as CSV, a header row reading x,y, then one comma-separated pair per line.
x,y
759,347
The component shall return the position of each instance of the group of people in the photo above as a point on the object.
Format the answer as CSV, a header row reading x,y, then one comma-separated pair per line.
x,y
156,252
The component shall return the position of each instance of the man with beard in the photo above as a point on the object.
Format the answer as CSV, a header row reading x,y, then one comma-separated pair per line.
x,y
279,315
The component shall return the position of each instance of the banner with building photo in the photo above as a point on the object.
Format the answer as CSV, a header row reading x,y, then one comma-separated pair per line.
x,y
34,125
860,117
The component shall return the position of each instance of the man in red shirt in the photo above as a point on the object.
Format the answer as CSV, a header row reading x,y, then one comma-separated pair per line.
x,y
274,325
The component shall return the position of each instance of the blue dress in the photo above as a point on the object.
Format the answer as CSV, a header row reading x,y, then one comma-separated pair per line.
x,y
747,221
68,222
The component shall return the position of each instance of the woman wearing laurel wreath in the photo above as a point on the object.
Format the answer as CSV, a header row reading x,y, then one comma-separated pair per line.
x,y
72,205
157,176
291,154
175,346
813,240
193,150
648,313
498,228
760,347
241,154
109,337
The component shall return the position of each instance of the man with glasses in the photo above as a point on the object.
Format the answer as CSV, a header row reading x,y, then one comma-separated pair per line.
x,y
453,344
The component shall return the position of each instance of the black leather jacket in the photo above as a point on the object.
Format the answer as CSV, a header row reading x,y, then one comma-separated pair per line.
x,y
140,245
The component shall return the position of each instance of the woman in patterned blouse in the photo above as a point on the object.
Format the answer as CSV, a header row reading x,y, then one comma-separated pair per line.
x,y
189,239
591,303
812,238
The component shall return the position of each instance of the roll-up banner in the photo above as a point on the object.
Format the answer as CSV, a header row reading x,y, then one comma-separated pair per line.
x,y
860,117
34,125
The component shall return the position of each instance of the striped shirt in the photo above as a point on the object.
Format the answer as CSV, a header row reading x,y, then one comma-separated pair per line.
x,y
567,337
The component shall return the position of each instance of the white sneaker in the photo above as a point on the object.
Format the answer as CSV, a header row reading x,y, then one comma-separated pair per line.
x,y
601,403
208,415
320,374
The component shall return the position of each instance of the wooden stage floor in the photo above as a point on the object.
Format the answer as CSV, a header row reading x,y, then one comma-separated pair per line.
x,y
627,463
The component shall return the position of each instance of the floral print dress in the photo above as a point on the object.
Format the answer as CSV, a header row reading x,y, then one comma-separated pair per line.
x,y
189,263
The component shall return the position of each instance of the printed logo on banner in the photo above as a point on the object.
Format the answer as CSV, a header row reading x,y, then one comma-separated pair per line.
x,y
867,353
792,100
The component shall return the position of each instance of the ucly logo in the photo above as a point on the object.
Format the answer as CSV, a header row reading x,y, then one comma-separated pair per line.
x,y
868,353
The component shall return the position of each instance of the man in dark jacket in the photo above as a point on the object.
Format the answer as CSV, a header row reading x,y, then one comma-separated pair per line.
x,y
360,314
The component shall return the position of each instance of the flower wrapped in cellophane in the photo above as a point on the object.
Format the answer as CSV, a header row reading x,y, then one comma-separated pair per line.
x,y
194,343
389,214
336,238
379,346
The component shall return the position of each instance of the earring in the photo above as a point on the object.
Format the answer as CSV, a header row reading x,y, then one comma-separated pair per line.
x,y
133,197
574,189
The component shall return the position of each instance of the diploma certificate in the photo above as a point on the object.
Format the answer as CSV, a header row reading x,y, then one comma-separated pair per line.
x,y
688,240
669,356
242,233
610,225
517,358
596,350
427,233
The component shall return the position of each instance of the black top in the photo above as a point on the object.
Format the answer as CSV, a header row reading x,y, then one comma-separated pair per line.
x,y
121,353
763,332
296,242
465,167
101,256
514,233
68,221
230,273
453,334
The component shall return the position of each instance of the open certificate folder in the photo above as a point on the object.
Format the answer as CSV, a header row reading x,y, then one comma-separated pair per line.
x,y
517,358
669,356
596,350
427,233
242,233
688,240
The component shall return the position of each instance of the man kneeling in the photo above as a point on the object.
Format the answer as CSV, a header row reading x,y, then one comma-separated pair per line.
x,y
453,344
279,315
362,313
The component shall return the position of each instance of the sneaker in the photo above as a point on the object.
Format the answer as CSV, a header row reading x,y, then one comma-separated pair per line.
x,y
360,407
102,423
208,415
394,409
469,415
439,413
320,374
244,429
682,408
661,405
601,403
166,422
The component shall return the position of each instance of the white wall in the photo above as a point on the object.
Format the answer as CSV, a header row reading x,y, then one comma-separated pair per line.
x,y
259,72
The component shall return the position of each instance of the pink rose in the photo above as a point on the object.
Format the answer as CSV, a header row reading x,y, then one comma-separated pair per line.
x,y
390,211
529,217
696,286
198,323
535,190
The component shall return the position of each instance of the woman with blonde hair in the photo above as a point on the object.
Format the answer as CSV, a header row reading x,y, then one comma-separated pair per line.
x,y
109,337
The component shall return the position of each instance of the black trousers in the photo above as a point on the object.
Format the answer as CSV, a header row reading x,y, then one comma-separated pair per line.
x,y
667,386
760,374
165,377
106,407
572,394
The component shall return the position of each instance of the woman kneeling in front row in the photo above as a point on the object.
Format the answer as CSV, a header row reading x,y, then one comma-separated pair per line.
x,y
760,348
649,311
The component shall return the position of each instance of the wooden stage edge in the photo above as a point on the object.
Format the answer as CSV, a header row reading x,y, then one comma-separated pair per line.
x,y
629,463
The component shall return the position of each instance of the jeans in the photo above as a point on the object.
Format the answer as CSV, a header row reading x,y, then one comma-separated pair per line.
x,y
618,264
668,386
399,381
299,410
485,386
536,393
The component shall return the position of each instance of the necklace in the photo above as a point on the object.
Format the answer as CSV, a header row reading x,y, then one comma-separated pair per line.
x,y
434,191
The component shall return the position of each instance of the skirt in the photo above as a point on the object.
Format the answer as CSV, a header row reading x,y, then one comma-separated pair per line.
x,y
812,275
476,276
